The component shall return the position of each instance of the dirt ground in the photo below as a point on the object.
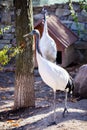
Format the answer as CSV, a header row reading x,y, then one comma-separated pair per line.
x,y
40,117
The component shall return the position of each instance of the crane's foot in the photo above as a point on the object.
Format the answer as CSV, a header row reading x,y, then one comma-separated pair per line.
x,y
65,111
52,123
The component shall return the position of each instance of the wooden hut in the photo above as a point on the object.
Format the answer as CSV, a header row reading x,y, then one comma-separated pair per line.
x,y
64,39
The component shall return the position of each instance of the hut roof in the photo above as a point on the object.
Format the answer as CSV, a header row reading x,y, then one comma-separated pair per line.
x,y
60,33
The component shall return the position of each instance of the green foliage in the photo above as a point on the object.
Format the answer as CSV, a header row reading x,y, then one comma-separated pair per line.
x,y
2,30
6,28
83,5
6,54
74,15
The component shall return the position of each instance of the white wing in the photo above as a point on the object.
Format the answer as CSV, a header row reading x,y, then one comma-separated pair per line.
x,y
53,75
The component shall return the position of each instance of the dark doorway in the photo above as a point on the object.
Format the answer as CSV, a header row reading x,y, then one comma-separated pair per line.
x,y
59,57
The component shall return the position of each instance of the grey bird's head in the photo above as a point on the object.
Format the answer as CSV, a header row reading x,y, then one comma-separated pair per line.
x,y
33,32
44,12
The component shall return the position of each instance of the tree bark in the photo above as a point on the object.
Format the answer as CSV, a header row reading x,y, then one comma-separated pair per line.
x,y
24,79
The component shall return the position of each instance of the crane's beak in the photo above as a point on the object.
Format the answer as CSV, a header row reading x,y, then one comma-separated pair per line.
x,y
31,33
26,35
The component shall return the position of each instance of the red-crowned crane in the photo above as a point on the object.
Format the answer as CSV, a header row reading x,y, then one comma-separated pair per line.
x,y
53,75
47,44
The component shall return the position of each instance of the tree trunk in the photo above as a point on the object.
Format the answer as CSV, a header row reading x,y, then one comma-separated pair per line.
x,y
24,79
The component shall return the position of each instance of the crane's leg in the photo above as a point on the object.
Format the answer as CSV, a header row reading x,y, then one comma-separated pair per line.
x,y
65,109
54,108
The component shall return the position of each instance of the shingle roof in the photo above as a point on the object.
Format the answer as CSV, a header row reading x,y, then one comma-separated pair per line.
x,y
59,31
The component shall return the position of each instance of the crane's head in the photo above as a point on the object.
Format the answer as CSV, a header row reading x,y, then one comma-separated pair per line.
x,y
33,32
44,12
37,33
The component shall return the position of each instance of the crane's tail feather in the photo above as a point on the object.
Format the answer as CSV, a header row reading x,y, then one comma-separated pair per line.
x,y
70,85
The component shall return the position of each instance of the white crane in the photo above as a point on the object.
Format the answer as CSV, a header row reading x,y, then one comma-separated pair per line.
x,y
53,75
47,44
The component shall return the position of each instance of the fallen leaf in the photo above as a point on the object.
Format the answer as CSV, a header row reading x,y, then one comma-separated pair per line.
x,y
10,121
3,97
15,125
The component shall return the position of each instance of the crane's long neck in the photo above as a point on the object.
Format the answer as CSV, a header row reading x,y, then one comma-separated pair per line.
x,y
37,42
45,24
